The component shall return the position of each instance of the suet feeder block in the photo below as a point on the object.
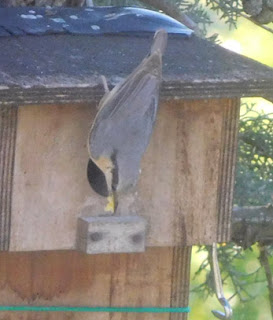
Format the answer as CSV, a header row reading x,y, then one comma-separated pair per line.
x,y
111,234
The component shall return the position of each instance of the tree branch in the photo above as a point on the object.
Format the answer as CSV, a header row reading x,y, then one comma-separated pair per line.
x,y
252,224
255,144
257,24
243,15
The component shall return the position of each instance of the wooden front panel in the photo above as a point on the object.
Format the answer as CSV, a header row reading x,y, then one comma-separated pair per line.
x,y
158,277
185,187
184,172
50,184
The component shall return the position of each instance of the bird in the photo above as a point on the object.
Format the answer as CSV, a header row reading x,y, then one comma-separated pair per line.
x,y
123,125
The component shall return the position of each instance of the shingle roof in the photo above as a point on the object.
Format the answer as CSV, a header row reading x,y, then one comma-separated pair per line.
x,y
64,67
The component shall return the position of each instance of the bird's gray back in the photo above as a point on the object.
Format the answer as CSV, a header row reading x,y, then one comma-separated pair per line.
x,y
127,118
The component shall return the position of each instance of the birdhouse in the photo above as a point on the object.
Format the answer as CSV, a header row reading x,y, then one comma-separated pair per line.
x,y
50,87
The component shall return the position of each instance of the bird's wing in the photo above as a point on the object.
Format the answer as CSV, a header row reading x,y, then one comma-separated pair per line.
x,y
134,86
151,64
129,116
130,106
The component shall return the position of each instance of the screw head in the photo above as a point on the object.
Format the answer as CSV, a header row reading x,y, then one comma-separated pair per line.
x,y
96,236
137,238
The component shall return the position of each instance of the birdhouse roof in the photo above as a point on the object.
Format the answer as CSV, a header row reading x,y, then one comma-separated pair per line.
x,y
56,55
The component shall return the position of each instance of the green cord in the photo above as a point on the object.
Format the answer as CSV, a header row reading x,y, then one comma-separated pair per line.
x,y
95,309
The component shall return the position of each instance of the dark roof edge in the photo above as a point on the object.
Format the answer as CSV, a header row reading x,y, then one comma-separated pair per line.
x,y
15,95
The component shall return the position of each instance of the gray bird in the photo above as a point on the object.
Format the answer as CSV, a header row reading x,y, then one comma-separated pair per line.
x,y
123,126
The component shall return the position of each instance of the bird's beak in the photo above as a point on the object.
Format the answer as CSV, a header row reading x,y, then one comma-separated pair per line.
x,y
112,203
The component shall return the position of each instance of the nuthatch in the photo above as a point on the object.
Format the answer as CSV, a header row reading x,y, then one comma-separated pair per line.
x,y
123,126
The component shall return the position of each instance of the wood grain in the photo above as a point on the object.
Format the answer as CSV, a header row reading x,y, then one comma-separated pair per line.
x,y
187,175
8,123
71,278
179,182
227,168
50,183
180,275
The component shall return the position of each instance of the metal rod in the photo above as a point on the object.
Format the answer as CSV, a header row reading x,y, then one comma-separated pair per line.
x,y
219,287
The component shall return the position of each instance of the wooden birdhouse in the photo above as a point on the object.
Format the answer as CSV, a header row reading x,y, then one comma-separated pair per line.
x,y
50,87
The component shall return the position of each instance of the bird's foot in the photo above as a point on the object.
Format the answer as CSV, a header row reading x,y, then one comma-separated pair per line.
x,y
105,84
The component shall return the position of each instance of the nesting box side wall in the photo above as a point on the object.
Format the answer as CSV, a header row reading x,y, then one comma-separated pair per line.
x,y
8,125
157,278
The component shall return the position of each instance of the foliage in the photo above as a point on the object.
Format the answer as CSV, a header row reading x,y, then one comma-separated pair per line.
x,y
229,10
196,10
255,158
233,265
244,282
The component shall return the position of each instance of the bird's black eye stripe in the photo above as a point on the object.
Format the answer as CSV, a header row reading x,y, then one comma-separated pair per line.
x,y
97,179
114,171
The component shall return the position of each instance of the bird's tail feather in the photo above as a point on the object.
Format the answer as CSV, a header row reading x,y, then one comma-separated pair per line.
x,y
160,41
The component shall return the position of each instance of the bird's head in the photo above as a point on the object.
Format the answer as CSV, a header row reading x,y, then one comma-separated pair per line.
x,y
100,174
109,177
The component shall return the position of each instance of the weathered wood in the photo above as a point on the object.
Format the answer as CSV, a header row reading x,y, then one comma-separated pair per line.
x,y
192,68
191,169
8,124
111,234
152,278
180,274
179,187
227,172
181,171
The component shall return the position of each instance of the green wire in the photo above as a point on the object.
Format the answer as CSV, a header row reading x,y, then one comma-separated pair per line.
x,y
95,309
